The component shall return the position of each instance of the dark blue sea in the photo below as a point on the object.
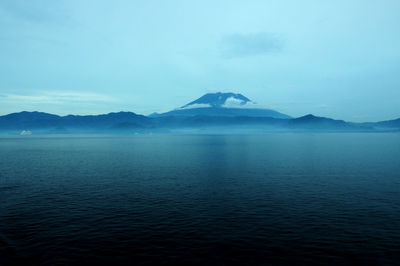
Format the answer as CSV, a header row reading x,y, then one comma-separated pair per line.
x,y
276,199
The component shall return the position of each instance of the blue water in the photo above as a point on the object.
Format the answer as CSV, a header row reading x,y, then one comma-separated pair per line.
x,y
157,199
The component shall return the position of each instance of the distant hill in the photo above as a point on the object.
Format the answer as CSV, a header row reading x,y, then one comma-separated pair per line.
x,y
127,121
38,120
24,120
218,111
385,124
314,122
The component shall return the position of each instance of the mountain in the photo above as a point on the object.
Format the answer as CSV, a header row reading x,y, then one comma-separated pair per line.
x,y
388,124
213,112
44,121
25,120
113,120
223,104
218,99
127,122
314,122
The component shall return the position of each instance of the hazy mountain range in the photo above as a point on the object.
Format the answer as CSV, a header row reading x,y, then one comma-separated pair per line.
x,y
219,112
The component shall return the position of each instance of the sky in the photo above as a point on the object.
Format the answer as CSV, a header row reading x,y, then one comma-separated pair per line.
x,y
339,59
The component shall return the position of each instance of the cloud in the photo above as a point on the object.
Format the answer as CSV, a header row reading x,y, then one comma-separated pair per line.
x,y
57,98
241,45
232,102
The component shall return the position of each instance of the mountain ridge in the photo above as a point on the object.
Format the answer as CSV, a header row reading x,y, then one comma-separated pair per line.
x,y
215,116
45,122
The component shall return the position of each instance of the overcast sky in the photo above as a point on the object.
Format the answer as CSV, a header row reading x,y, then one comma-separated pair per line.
x,y
339,59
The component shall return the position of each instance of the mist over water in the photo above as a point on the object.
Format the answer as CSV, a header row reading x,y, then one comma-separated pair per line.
x,y
209,199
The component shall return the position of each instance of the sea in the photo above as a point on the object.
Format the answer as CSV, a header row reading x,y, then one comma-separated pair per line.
x,y
265,199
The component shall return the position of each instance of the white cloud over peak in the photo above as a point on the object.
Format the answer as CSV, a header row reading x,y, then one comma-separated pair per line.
x,y
232,102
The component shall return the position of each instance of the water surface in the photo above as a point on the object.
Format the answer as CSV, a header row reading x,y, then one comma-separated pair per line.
x,y
162,199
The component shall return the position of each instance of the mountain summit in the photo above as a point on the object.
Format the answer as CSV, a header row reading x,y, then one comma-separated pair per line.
x,y
223,105
219,99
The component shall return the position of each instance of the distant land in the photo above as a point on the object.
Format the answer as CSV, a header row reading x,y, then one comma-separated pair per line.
x,y
211,113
